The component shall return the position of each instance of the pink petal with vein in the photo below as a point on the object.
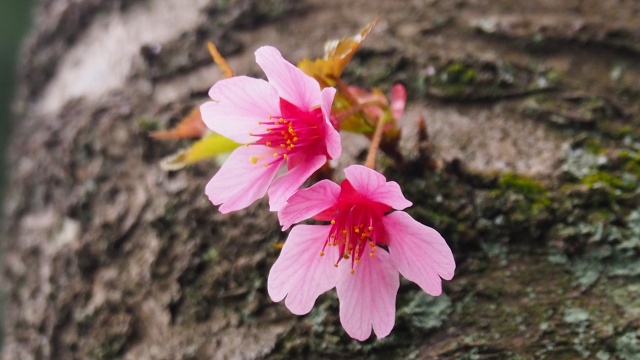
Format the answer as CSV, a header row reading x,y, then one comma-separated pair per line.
x,y
306,203
332,137
300,273
419,252
239,103
239,182
288,183
368,297
374,186
291,83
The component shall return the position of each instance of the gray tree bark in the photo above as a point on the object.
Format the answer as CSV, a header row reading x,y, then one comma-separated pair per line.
x,y
532,112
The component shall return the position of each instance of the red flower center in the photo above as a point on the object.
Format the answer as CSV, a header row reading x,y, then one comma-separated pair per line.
x,y
293,131
355,221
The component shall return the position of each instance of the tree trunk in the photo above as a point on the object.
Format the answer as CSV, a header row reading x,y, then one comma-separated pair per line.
x,y
532,111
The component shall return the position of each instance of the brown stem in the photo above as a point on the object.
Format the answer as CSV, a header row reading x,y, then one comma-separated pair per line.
x,y
375,144
357,108
343,89
220,60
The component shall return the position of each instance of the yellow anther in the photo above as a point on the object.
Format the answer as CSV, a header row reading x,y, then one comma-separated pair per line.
x,y
372,255
346,256
356,230
265,164
295,139
374,248
253,159
259,122
281,145
284,155
333,236
370,228
335,265
333,222
321,253
268,143
281,121
353,271
344,232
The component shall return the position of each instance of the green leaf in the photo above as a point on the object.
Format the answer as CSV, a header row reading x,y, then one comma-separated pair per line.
x,y
208,147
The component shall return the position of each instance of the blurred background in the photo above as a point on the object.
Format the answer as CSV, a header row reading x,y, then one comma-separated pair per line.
x,y
15,17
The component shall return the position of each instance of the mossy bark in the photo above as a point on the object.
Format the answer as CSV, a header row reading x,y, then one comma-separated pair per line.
x,y
533,128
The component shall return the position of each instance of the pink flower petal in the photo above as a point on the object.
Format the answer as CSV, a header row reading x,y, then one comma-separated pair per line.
x,y
239,103
364,180
306,203
374,186
240,182
300,273
332,137
288,183
419,252
368,297
291,83
391,194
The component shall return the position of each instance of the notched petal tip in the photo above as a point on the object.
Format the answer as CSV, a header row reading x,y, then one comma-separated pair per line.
x,y
300,274
292,84
419,252
374,186
267,51
368,297
238,105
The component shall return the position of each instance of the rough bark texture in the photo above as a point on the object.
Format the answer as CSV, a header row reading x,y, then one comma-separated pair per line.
x,y
533,114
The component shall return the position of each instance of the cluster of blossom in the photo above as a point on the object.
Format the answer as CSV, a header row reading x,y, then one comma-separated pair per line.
x,y
286,122
289,127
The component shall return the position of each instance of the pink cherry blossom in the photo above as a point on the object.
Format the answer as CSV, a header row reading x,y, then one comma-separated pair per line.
x,y
285,121
398,101
350,253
